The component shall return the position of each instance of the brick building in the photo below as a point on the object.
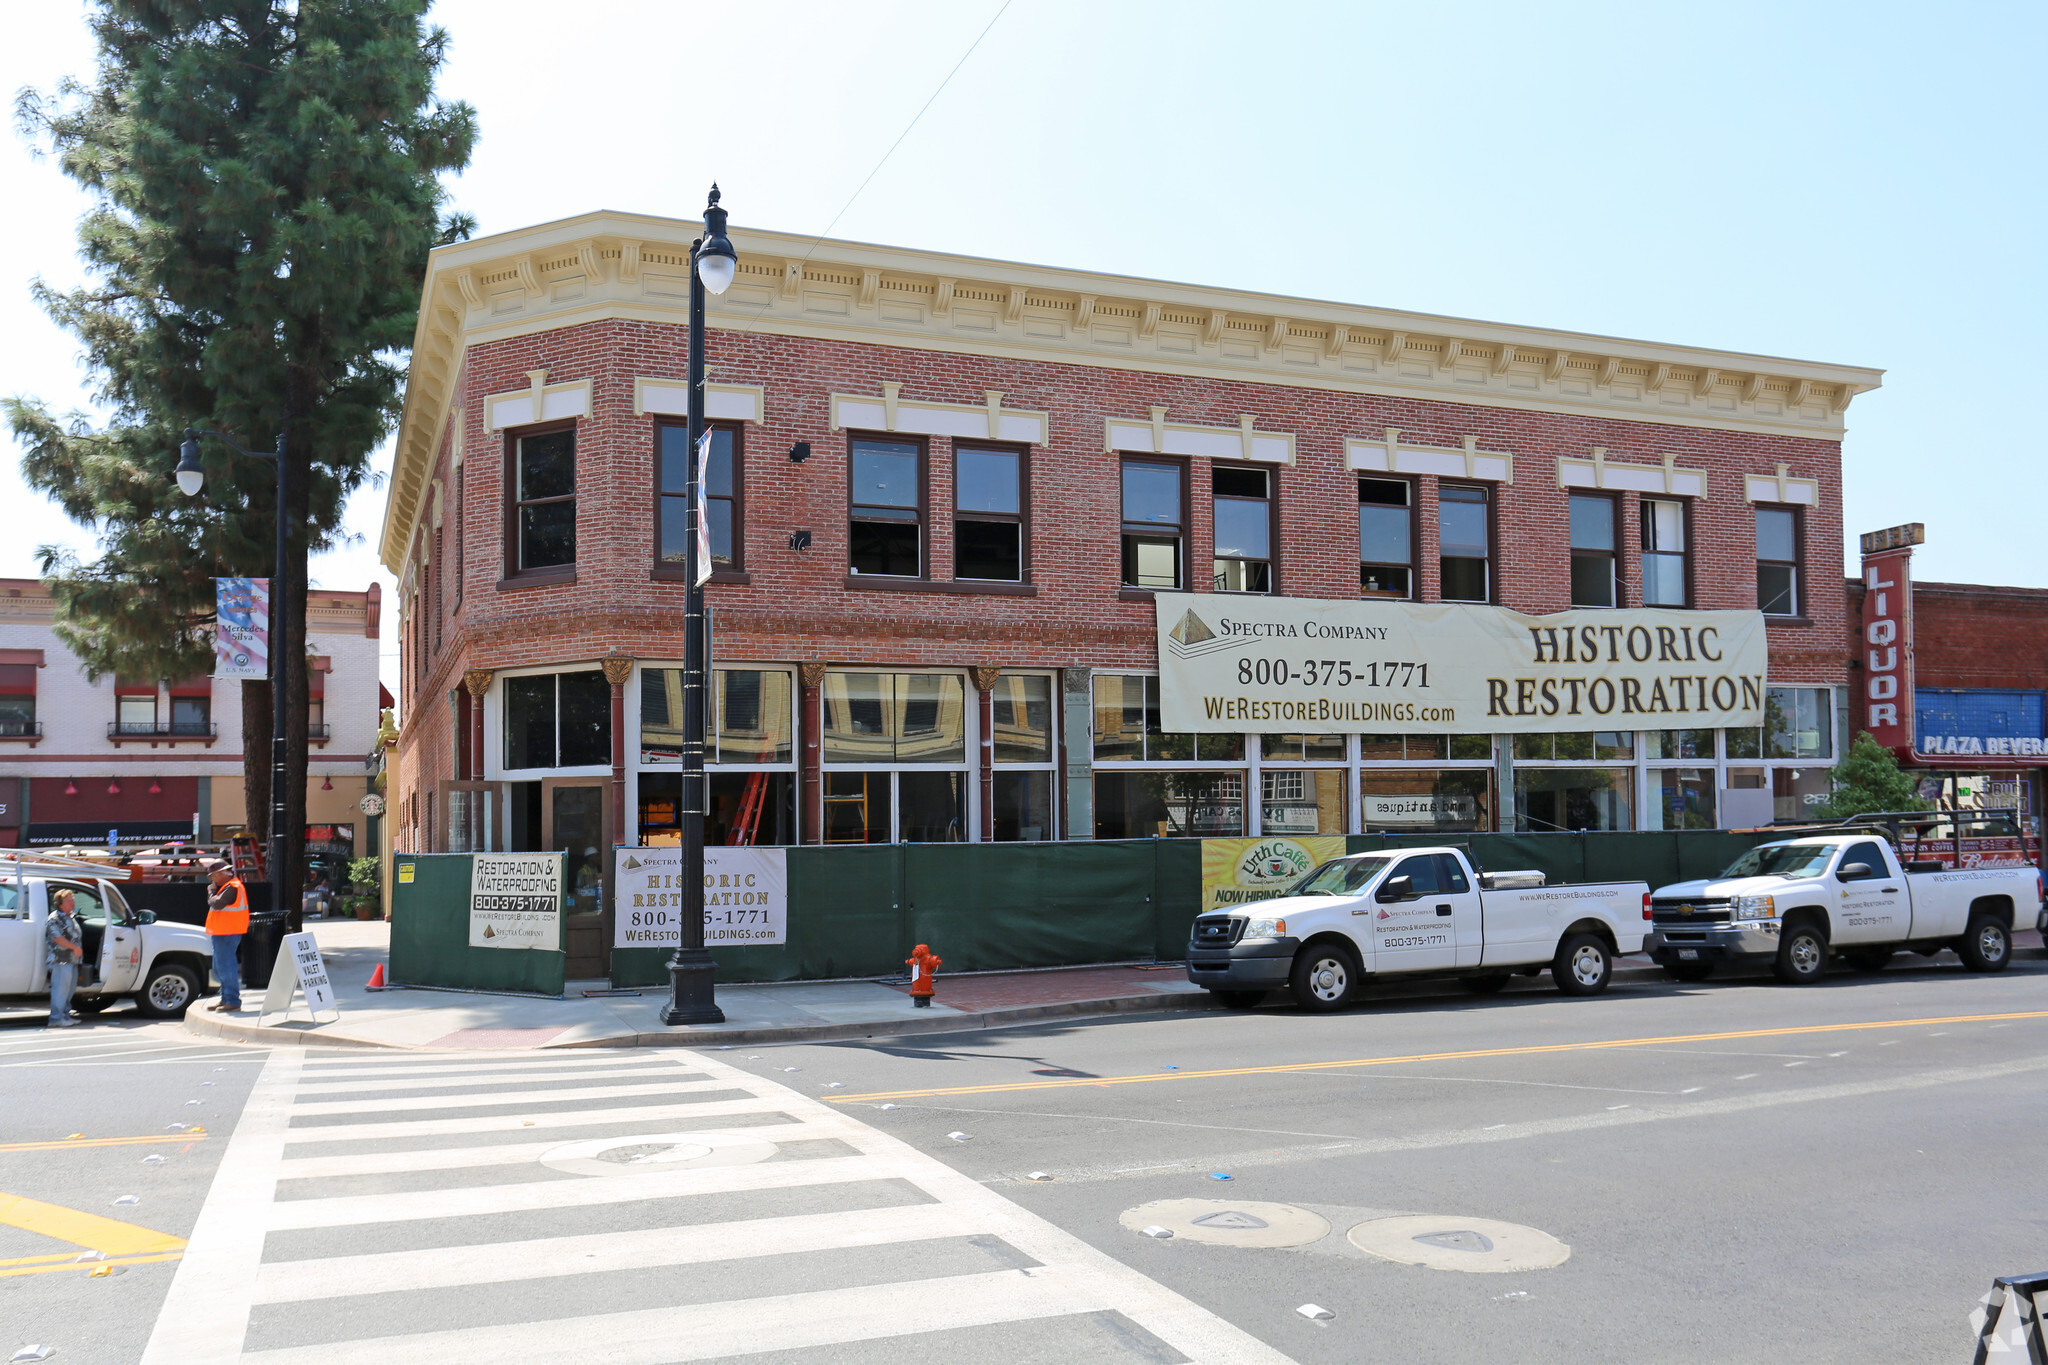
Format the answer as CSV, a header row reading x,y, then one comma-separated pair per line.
x,y
154,759
944,493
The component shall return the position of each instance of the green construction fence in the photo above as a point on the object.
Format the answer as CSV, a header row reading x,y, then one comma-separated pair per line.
x,y
859,911
430,934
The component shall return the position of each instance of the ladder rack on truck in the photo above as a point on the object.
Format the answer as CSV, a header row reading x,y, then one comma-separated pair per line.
x,y
47,865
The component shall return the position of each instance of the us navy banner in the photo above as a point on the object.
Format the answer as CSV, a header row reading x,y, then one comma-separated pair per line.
x,y
1301,665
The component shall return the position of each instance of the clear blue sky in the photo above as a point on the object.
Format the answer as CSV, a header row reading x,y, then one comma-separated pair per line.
x,y
1858,183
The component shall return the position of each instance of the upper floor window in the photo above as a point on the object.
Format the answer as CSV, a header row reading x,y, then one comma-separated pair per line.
x,y
1243,511
192,707
1664,554
540,530
988,514
1593,550
1153,515
1386,538
135,706
887,497
721,495
1777,561
17,699
1465,543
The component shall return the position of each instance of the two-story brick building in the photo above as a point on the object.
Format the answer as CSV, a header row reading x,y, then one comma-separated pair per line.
x,y
152,759
944,493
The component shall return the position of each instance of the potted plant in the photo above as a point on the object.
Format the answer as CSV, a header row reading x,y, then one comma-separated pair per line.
x,y
365,902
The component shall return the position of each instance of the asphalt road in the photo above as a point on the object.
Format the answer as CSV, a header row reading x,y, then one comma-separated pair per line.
x,y
1732,1171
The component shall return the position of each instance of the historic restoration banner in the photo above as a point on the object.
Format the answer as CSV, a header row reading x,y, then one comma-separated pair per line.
x,y
1240,871
1302,665
746,896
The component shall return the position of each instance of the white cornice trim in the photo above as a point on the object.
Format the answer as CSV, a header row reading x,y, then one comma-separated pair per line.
x,y
1391,455
892,412
1155,435
1781,487
1597,471
540,401
722,402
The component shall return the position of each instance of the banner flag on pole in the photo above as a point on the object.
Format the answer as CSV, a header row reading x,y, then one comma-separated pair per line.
x,y
703,517
241,641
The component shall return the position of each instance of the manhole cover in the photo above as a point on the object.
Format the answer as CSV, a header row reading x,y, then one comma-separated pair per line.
x,y
647,1154
1236,1223
1478,1245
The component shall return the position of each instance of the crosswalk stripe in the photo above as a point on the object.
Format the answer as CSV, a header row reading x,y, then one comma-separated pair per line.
x,y
512,1123
710,1331
505,1154
536,1196
323,1108
605,1252
456,1082
454,1062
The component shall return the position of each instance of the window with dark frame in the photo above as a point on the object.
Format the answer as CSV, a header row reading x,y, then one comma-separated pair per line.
x,y
458,536
17,699
723,505
1153,508
988,514
1242,508
1386,538
1594,554
1664,554
1464,543
558,720
541,525
886,498
1777,561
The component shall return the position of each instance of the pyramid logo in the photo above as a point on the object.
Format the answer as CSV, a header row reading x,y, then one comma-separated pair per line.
x,y
489,932
1192,630
632,863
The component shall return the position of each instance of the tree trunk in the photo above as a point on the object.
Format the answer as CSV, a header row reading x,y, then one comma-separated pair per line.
x,y
255,758
291,878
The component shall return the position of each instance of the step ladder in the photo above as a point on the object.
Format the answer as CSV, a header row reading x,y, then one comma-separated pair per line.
x,y
748,825
246,852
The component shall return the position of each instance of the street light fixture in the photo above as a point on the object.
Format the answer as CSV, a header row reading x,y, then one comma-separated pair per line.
x,y
691,971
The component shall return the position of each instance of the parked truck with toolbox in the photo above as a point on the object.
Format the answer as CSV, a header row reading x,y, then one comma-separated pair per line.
x,y
1414,912
163,967
1796,903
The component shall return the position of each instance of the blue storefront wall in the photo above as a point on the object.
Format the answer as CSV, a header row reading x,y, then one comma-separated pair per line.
x,y
1945,715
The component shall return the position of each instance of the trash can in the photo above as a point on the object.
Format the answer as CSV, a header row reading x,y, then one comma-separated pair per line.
x,y
267,928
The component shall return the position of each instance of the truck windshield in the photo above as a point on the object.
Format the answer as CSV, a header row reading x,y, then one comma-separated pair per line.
x,y
1341,878
1782,860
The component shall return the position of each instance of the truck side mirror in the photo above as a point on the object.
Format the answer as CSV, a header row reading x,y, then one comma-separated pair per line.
x,y
1852,872
1396,889
145,917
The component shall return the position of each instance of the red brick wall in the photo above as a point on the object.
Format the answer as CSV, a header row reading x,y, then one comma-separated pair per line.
x,y
1970,635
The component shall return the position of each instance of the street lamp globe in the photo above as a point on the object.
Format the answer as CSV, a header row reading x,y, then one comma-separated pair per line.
x,y
716,260
190,476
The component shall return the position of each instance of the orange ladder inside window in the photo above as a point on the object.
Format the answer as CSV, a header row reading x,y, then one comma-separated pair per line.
x,y
749,822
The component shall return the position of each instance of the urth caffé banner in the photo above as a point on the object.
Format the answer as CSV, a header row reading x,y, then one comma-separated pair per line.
x,y
1302,665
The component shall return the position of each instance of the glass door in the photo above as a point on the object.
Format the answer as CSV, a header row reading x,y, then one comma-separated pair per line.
x,y
575,821
473,817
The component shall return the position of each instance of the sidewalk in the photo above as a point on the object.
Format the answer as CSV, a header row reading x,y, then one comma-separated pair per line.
x,y
794,1011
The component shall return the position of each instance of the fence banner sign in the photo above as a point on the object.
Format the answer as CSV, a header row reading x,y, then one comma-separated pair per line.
x,y
1293,665
746,897
515,901
241,633
1239,871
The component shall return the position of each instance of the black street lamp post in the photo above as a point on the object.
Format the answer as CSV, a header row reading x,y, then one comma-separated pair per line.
x,y
191,477
691,999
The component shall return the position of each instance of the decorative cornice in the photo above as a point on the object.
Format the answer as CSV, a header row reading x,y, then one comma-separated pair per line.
x,y
556,275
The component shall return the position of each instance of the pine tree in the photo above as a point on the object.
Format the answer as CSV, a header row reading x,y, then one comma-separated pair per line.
x,y
266,178
1868,779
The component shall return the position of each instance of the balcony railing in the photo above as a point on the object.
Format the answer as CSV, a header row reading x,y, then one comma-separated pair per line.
x,y
21,729
161,729
317,730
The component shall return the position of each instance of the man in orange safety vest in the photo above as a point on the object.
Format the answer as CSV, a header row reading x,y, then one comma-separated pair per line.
x,y
227,919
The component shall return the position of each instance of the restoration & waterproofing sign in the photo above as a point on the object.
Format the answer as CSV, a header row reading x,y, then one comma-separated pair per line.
x,y
1230,664
746,897
515,901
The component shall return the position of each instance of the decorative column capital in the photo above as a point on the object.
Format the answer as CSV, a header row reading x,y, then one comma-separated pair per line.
x,y
618,668
811,673
985,676
478,681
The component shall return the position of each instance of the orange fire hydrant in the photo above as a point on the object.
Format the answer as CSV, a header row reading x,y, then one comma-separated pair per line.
x,y
923,964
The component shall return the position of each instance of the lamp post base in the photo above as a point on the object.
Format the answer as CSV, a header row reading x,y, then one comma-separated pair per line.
x,y
690,996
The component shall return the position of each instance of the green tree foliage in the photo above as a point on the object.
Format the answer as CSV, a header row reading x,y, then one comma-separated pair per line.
x,y
1868,779
266,179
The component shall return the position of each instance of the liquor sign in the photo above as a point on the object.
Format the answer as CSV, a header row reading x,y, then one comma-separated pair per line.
x,y
1885,706
241,639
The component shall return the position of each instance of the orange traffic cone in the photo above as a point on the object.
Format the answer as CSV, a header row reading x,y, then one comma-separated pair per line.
x,y
377,978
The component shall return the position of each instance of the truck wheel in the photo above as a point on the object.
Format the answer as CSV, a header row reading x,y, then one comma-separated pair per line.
x,y
1802,955
1691,971
1582,965
1483,985
1869,959
1238,1000
1985,946
167,992
1323,977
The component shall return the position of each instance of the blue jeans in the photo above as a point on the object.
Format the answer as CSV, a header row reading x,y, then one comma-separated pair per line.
x,y
226,969
63,981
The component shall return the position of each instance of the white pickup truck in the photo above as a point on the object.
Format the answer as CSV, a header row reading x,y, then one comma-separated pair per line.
x,y
1794,903
164,967
1419,910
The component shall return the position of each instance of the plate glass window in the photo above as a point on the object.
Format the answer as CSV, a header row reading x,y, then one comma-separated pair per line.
x,y
544,490
1152,524
988,504
1777,561
558,720
1593,558
1386,538
1465,543
1663,553
17,699
1243,508
888,505
721,495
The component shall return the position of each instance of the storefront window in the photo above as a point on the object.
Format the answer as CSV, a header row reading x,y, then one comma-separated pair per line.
x,y
1599,746
1558,799
1021,710
1796,791
558,720
1685,797
1146,805
1678,743
895,718
1799,722
757,808
1303,748
1127,726
1301,801
1413,748
1425,800
1023,806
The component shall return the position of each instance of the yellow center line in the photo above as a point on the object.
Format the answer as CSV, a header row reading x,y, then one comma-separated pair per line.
x,y
87,1230
1083,1081
60,1144
9,1269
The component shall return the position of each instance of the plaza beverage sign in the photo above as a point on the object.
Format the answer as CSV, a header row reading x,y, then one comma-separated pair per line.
x,y
1301,665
